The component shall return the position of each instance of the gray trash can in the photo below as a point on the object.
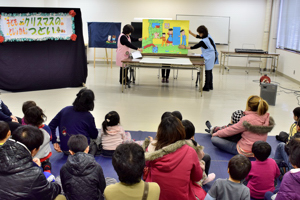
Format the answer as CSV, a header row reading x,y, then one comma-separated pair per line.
x,y
268,92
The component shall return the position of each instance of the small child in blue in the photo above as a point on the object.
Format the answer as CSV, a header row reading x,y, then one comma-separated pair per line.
x,y
183,42
170,38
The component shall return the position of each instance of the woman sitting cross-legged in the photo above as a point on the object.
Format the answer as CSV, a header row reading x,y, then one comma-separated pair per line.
x,y
173,164
254,126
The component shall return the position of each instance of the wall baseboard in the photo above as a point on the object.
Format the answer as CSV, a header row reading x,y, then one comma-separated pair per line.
x,y
288,77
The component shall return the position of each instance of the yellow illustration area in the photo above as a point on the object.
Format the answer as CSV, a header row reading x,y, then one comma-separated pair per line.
x,y
183,24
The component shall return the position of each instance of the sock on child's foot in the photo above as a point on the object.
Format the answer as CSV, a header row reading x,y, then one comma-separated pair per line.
x,y
210,177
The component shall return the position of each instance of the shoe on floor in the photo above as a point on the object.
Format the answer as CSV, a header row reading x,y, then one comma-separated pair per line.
x,y
205,89
210,177
163,80
167,81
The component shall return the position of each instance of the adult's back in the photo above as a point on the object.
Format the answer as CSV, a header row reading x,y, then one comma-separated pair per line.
x,y
20,177
75,119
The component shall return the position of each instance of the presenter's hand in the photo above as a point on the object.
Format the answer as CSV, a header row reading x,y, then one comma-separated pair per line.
x,y
140,39
182,47
37,161
190,32
139,49
57,147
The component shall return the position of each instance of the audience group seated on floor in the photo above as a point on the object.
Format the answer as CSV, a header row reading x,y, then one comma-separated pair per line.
x,y
172,165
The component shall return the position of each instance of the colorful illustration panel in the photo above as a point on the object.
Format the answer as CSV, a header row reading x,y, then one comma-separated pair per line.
x,y
104,34
165,36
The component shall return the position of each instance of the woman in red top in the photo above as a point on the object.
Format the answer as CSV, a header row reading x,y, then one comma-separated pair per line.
x,y
174,165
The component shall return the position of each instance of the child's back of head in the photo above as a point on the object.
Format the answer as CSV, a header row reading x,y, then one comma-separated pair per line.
x,y
165,115
26,105
177,114
111,119
294,152
296,113
78,143
238,167
4,131
189,129
261,150
35,116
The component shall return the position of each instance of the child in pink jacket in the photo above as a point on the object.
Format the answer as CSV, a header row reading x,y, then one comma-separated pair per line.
x,y
254,126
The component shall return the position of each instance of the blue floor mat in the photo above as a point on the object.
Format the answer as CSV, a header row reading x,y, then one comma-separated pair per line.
x,y
219,159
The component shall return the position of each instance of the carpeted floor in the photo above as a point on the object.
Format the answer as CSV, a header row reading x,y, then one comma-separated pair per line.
x,y
219,159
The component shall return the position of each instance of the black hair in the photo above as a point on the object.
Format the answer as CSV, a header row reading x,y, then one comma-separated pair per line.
x,y
35,116
261,150
164,33
202,29
177,114
165,115
128,29
111,119
294,152
4,128
129,161
170,29
84,101
189,129
181,30
26,105
30,136
78,143
239,167
296,112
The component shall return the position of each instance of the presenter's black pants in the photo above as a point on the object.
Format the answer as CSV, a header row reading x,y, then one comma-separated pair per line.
x,y
125,72
165,73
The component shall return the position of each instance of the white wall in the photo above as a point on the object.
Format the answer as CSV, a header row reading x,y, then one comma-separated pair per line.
x,y
247,16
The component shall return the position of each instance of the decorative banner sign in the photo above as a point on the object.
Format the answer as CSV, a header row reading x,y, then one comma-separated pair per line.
x,y
37,27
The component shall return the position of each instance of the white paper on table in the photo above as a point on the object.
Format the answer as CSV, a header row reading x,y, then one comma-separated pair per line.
x,y
174,61
136,54
196,54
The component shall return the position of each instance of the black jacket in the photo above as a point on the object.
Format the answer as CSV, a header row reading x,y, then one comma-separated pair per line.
x,y
82,178
20,177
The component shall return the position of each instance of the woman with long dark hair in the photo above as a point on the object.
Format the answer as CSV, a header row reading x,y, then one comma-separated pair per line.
x,y
73,120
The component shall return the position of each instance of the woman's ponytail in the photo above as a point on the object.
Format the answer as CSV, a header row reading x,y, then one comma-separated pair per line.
x,y
263,107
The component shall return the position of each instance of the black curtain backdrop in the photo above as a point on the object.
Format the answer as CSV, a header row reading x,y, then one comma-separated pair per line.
x,y
39,65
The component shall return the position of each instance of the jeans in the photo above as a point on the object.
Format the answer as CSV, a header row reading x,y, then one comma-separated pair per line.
x,y
281,155
165,73
225,145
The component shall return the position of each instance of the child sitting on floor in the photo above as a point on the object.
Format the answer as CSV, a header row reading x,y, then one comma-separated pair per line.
x,y
281,157
113,134
35,116
285,137
4,132
289,187
204,159
263,172
81,176
232,188
26,105
235,118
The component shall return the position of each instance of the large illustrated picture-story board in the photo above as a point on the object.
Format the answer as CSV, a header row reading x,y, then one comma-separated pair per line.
x,y
165,36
